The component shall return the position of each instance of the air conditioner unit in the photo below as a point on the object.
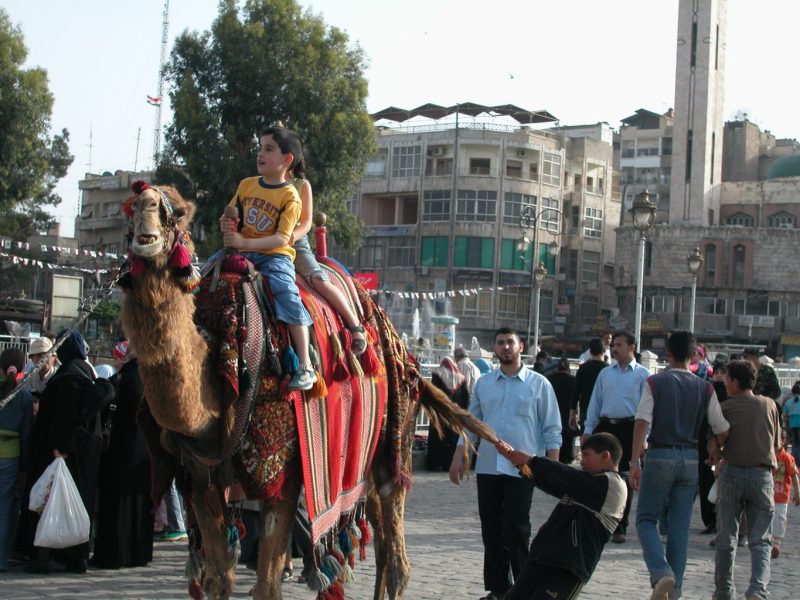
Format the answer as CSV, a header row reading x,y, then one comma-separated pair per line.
x,y
435,151
522,153
422,270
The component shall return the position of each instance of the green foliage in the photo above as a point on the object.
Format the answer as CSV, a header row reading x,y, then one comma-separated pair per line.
x,y
31,162
108,311
270,61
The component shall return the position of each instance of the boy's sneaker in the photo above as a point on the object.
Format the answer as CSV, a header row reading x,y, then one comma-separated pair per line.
x,y
174,536
304,379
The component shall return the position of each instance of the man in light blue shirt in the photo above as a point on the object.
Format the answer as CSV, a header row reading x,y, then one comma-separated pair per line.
x,y
520,405
613,405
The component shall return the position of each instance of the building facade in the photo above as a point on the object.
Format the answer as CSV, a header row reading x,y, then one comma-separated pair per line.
x,y
442,202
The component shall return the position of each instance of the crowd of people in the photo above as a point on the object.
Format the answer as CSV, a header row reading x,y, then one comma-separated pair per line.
x,y
85,414
718,430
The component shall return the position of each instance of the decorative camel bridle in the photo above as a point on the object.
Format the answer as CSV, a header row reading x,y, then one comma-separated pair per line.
x,y
179,258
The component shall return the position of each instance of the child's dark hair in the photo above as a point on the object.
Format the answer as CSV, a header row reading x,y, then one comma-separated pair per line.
x,y
288,141
11,357
604,442
796,387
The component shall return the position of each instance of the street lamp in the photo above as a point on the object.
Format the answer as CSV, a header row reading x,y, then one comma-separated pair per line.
x,y
529,219
643,214
695,262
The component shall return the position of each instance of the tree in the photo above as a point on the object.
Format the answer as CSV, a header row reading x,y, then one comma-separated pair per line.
x,y
269,62
31,162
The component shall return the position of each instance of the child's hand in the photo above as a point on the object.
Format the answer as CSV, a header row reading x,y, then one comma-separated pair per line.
x,y
233,239
227,225
517,457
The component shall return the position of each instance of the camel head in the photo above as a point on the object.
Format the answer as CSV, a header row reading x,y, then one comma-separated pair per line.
x,y
160,218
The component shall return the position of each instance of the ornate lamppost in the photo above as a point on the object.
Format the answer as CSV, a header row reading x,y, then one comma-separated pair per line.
x,y
643,214
694,262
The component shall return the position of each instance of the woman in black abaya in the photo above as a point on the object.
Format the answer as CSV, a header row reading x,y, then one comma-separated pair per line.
x,y
124,511
68,425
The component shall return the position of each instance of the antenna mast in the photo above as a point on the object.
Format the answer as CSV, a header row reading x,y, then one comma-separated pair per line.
x,y
158,100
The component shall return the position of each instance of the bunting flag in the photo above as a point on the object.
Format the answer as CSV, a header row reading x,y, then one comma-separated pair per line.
x,y
442,295
153,101
10,244
32,262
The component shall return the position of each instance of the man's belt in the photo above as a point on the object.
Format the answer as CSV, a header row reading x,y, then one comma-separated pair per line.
x,y
611,421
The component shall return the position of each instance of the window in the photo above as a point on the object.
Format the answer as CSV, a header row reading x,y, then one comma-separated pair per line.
x,y
514,303
546,306
406,161
376,167
648,257
550,219
514,168
705,305
739,255
793,309
758,306
575,219
436,205
480,166
590,273
510,258
477,304
711,262
666,146
781,220
436,167
476,206
593,222
402,251
572,273
370,255
665,175
551,169
534,171
434,252
512,206
474,252
659,304
740,219
589,308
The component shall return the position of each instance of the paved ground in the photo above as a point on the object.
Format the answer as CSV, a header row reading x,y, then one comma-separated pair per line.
x,y
446,554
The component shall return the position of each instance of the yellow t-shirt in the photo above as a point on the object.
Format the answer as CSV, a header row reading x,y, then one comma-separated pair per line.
x,y
266,209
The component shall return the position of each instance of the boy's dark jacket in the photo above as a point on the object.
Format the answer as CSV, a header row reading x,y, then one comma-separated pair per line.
x,y
589,510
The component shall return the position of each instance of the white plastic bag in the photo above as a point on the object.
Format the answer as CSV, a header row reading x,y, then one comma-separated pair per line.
x,y
713,493
41,489
64,521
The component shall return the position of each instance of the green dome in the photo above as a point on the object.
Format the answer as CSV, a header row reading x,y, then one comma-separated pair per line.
x,y
788,166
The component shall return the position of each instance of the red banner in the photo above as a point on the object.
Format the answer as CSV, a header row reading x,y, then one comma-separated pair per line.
x,y
368,279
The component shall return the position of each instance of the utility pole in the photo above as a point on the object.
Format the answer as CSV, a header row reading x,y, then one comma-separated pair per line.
x,y
157,101
136,156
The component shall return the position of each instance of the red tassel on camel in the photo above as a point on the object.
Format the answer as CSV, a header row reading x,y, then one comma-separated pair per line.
x,y
180,258
369,359
195,591
365,538
340,370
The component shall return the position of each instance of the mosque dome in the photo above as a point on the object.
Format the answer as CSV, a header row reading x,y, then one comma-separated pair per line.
x,y
788,166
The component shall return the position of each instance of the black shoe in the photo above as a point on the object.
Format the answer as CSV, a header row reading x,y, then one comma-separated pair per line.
x,y
38,567
709,530
77,566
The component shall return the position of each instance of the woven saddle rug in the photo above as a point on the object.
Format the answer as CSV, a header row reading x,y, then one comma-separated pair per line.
x,y
330,438
338,433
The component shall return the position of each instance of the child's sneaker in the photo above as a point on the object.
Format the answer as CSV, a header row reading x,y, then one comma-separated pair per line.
x,y
304,379
174,536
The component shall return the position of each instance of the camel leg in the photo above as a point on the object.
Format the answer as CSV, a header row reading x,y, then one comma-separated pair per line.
x,y
393,569
219,577
275,527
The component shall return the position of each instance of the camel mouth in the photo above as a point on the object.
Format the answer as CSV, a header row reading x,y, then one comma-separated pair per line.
x,y
146,245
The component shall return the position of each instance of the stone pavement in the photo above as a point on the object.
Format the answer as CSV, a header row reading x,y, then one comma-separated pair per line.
x,y
443,537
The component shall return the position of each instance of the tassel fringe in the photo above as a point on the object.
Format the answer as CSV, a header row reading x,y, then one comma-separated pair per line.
x,y
319,389
340,370
290,361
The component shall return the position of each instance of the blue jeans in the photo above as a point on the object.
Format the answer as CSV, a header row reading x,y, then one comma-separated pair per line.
x,y
748,489
9,469
172,503
278,270
669,481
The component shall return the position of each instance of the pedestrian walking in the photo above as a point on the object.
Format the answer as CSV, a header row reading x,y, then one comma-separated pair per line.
x,y
441,447
791,411
613,405
563,382
585,379
468,369
786,482
673,407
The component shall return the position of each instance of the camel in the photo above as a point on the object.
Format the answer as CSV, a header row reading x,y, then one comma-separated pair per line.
x,y
182,391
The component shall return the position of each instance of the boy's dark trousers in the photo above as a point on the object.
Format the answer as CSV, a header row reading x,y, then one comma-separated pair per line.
x,y
622,429
542,582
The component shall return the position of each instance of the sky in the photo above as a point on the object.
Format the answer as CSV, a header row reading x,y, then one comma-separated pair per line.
x,y
584,61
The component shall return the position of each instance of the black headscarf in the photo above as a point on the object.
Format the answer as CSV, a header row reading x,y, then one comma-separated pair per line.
x,y
74,347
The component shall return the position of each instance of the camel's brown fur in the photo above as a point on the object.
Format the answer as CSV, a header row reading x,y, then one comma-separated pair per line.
x,y
158,318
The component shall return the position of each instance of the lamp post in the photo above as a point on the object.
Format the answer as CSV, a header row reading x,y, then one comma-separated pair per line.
x,y
695,262
529,219
643,214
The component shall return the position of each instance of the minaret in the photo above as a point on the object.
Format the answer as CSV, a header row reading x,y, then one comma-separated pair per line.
x,y
699,104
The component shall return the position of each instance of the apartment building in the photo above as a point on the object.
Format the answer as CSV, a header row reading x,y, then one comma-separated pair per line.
x,y
442,201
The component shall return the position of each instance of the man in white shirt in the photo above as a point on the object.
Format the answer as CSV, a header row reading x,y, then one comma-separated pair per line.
x,y
467,368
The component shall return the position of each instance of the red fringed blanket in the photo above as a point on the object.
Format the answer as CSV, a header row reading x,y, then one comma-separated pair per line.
x,y
338,434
